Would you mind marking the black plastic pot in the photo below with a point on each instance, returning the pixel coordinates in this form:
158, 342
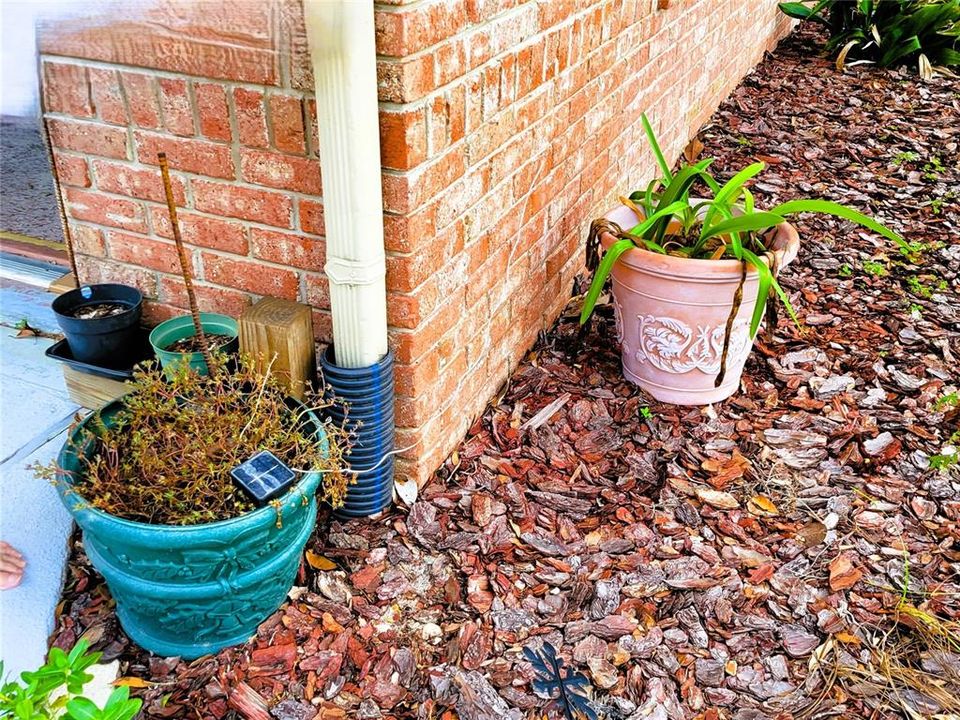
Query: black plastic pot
369, 391
108, 341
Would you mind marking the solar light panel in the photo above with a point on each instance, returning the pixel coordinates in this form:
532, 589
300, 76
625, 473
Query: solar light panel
263, 477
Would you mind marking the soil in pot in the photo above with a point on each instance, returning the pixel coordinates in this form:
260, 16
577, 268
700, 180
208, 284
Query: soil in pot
192, 344
95, 311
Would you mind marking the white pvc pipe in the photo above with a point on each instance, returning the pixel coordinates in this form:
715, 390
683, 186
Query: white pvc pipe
340, 34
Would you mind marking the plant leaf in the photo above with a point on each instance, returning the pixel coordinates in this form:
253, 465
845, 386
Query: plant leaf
600, 277
652, 139
741, 223
728, 193
81, 708
841, 211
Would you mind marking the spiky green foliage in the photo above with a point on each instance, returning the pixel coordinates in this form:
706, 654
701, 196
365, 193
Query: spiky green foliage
724, 226
888, 32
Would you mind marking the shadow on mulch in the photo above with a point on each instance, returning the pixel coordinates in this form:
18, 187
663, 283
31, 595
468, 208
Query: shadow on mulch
737, 561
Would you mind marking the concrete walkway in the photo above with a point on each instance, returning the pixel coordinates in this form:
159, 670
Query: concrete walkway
35, 411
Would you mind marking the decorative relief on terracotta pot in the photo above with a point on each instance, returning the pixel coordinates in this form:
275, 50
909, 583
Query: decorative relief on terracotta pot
618, 321
674, 347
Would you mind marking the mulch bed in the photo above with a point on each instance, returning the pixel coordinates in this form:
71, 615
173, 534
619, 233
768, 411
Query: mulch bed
770, 557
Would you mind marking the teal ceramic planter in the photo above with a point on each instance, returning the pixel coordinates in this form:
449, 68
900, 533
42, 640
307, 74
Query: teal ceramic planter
178, 328
193, 590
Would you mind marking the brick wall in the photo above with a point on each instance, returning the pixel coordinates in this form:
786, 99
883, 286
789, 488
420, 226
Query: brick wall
505, 127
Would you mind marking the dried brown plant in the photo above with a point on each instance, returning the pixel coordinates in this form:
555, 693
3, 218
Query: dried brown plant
166, 458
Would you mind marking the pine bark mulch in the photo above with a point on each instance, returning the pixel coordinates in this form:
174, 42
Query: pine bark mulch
790, 553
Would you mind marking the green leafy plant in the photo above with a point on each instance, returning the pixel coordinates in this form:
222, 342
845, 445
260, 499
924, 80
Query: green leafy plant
727, 225
875, 268
54, 690
887, 32
168, 455
932, 169
950, 400
905, 157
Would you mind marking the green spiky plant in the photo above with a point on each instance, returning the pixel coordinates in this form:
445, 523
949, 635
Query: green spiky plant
888, 32
728, 225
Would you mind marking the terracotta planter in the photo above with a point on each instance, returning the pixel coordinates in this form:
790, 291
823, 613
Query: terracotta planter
671, 315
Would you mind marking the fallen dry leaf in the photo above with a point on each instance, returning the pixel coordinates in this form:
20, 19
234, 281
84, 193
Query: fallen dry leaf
843, 574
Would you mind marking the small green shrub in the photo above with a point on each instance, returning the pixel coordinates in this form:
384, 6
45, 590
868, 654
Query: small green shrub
54, 690
888, 32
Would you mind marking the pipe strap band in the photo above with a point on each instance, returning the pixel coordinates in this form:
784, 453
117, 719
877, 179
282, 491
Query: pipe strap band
341, 271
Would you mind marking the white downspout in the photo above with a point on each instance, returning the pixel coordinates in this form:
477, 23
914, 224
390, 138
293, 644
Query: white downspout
340, 34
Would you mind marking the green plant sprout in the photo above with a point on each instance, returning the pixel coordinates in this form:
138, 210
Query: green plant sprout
55, 689
875, 268
907, 156
932, 169
846, 270
948, 400
936, 205
727, 225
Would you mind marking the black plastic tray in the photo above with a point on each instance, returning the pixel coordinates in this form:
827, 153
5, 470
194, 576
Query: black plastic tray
61, 351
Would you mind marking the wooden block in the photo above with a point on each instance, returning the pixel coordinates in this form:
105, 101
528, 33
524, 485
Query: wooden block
92, 391
63, 284
282, 330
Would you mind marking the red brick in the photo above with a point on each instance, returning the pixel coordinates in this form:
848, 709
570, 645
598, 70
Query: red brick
124, 179
314, 131
529, 68
405, 32
251, 276
72, 170
286, 249
107, 96
286, 121
403, 138
317, 289
187, 154
456, 113
175, 106
311, 217
142, 99
405, 80
251, 120
209, 298
155, 313
263, 206
87, 240
285, 172
101, 270
137, 250
410, 232
450, 61
322, 326
202, 231
66, 89
410, 346
88, 137
213, 38
102, 210
213, 111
